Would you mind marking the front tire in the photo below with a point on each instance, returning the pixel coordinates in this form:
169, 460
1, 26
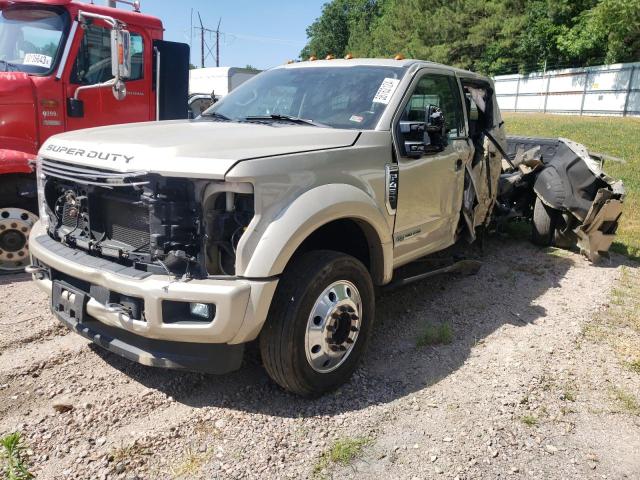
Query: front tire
319, 323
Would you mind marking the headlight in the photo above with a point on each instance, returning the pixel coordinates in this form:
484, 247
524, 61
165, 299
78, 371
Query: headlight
42, 210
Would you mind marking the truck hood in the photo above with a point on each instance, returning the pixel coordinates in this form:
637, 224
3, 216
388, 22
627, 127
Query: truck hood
17, 117
183, 148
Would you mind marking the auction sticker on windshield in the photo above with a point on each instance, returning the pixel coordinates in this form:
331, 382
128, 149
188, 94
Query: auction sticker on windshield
386, 90
37, 60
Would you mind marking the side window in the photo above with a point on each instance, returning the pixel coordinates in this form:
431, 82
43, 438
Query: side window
137, 57
441, 91
93, 62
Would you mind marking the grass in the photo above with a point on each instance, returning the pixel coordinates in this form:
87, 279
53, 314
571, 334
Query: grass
618, 137
128, 452
13, 466
569, 395
436, 335
627, 401
342, 452
619, 324
530, 420
191, 464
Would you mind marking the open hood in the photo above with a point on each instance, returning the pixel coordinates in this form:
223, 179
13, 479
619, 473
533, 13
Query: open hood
186, 148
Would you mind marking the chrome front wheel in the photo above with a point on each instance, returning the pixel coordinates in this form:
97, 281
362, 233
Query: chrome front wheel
333, 326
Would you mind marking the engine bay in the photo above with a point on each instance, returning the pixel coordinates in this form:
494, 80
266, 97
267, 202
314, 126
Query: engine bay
181, 227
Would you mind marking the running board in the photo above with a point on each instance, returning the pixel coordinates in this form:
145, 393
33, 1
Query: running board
465, 267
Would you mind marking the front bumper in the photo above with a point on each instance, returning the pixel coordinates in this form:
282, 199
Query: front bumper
241, 305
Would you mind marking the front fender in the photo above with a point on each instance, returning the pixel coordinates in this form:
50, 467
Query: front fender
313, 209
15, 161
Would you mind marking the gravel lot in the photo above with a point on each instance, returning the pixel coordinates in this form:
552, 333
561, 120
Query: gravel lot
523, 391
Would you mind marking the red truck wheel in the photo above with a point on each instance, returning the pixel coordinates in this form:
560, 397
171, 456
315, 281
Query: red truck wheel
15, 226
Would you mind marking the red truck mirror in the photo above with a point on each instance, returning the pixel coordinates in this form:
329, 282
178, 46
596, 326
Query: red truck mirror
120, 53
120, 61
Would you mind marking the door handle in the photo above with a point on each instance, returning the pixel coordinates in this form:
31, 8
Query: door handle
458, 164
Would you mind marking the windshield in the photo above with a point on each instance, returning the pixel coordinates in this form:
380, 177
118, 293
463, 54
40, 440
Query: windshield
339, 97
30, 39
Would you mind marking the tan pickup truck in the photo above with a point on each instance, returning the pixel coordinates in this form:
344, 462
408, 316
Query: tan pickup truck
275, 214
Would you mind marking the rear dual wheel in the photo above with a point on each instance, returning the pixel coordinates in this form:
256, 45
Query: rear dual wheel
319, 323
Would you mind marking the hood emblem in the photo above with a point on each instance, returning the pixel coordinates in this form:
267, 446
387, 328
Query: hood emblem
90, 154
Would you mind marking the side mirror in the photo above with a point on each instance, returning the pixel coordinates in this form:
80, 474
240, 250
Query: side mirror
423, 138
75, 107
120, 61
435, 137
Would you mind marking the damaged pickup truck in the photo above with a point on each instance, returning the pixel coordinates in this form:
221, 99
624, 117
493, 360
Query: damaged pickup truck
275, 214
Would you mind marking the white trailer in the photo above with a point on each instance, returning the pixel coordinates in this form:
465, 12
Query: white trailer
207, 85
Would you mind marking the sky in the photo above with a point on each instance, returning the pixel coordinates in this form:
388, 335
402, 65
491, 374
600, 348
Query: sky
259, 33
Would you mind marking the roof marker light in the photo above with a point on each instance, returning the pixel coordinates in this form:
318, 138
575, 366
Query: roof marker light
348, 56
330, 57
399, 57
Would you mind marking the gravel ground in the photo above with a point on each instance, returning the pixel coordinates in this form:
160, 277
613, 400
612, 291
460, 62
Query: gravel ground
520, 392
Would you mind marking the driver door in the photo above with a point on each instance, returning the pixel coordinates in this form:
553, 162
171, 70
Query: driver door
430, 187
92, 66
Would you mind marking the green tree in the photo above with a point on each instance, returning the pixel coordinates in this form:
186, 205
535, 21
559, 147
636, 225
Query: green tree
607, 33
330, 33
489, 36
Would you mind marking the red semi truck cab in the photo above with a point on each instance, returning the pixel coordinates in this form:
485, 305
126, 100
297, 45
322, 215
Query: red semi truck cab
57, 74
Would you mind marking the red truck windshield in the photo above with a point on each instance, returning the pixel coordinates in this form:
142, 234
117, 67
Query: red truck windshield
30, 39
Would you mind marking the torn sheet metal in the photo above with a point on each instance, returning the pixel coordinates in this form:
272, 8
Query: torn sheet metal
598, 230
585, 201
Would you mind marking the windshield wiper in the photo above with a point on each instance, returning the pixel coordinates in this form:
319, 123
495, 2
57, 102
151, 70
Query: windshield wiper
288, 118
217, 115
14, 68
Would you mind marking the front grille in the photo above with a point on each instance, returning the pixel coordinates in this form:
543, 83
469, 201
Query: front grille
98, 207
132, 218
91, 175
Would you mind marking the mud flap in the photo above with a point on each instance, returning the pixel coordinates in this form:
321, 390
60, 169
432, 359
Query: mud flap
597, 232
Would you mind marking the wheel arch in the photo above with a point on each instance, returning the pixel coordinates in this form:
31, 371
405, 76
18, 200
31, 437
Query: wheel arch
313, 220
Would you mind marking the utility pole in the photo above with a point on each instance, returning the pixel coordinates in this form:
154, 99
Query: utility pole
218, 43
201, 41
